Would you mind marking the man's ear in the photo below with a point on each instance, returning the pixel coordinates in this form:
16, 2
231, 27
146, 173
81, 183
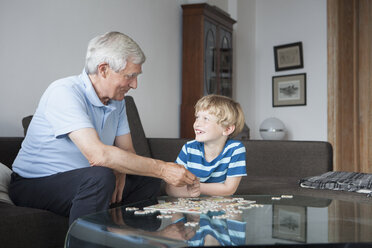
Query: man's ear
229, 130
103, 69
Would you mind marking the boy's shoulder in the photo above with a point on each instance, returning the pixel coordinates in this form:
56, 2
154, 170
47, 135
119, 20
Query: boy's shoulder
234, 146
229, 143
234, 142
193, 143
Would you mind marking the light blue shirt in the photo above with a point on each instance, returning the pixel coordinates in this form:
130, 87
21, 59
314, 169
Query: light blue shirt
69, 104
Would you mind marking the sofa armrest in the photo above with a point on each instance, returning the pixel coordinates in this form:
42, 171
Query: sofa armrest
166, 149
9, 147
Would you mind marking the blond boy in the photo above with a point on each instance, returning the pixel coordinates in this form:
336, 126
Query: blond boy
214, 157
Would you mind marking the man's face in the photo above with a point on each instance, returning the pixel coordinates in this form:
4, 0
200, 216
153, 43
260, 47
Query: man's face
119, 83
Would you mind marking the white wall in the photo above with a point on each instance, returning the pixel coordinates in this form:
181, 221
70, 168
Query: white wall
266, 23
43, 40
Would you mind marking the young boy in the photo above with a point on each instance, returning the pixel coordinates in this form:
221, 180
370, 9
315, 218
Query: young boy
216, 159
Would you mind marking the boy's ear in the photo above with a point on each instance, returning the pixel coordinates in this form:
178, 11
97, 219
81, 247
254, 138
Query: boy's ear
229, 130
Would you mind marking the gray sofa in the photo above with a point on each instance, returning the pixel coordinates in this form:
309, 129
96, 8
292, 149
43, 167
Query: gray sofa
273, 167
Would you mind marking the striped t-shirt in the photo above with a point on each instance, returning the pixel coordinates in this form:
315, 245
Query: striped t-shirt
229, 163
226, 232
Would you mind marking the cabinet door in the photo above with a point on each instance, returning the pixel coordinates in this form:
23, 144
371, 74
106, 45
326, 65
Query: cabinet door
225, 64
210, 60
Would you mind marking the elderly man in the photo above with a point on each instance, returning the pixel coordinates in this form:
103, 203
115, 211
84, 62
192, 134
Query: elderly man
78, 156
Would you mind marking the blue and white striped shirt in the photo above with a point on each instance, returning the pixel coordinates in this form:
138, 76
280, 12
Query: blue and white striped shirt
226, 232
229, 163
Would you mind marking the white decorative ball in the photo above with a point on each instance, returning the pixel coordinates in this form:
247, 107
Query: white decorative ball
272, 129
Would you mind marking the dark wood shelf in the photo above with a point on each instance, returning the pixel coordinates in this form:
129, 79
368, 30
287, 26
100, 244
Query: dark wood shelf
206, 58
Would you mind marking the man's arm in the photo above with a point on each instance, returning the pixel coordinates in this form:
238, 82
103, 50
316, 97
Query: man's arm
99, 154
123, 142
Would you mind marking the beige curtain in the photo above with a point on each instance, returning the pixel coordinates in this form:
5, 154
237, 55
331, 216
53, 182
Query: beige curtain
350, 83
340, 229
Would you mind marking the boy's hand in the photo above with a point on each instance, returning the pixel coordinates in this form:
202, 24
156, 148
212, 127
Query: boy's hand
194, 189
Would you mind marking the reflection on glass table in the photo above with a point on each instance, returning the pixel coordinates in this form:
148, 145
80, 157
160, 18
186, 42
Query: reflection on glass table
270, 221
215, 232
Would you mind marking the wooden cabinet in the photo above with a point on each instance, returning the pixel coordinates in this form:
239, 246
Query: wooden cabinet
206, 58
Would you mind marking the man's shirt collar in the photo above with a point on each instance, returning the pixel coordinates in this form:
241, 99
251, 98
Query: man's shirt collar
90, 91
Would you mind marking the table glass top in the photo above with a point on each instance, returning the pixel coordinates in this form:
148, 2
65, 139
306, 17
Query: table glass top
249, 220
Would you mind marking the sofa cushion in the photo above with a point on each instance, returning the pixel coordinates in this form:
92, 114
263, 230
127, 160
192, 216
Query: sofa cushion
25, 123
284, 158
140, 143
31, 227
9, 147
5, 173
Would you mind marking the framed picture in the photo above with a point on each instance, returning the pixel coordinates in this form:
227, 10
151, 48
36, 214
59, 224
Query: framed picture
289, 90
289, 223
288, 56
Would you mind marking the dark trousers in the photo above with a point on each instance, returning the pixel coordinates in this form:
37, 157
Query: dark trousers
79, 192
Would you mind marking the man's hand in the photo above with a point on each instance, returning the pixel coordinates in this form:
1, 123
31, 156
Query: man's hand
176, 174
194, 189
117, 216
177, 231
119, 187
173, 231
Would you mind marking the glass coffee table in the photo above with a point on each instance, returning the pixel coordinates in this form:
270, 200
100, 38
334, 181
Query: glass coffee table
251, 220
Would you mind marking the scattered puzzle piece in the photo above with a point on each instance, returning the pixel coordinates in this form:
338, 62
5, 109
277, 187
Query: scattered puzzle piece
140, 212
192, 224
131, 209
287, 196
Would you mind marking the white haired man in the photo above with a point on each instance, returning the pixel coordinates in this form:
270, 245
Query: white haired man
78, 149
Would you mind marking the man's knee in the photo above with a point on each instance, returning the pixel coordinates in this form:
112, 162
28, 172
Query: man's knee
94, 193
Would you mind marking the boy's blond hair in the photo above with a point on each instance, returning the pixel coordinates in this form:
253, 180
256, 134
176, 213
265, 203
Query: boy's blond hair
227, 111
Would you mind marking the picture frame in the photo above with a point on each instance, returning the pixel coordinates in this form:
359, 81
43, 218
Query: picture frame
288, 56
289, 223
289, 90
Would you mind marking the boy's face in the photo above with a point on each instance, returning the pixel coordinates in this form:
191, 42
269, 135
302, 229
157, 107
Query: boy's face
207, 129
